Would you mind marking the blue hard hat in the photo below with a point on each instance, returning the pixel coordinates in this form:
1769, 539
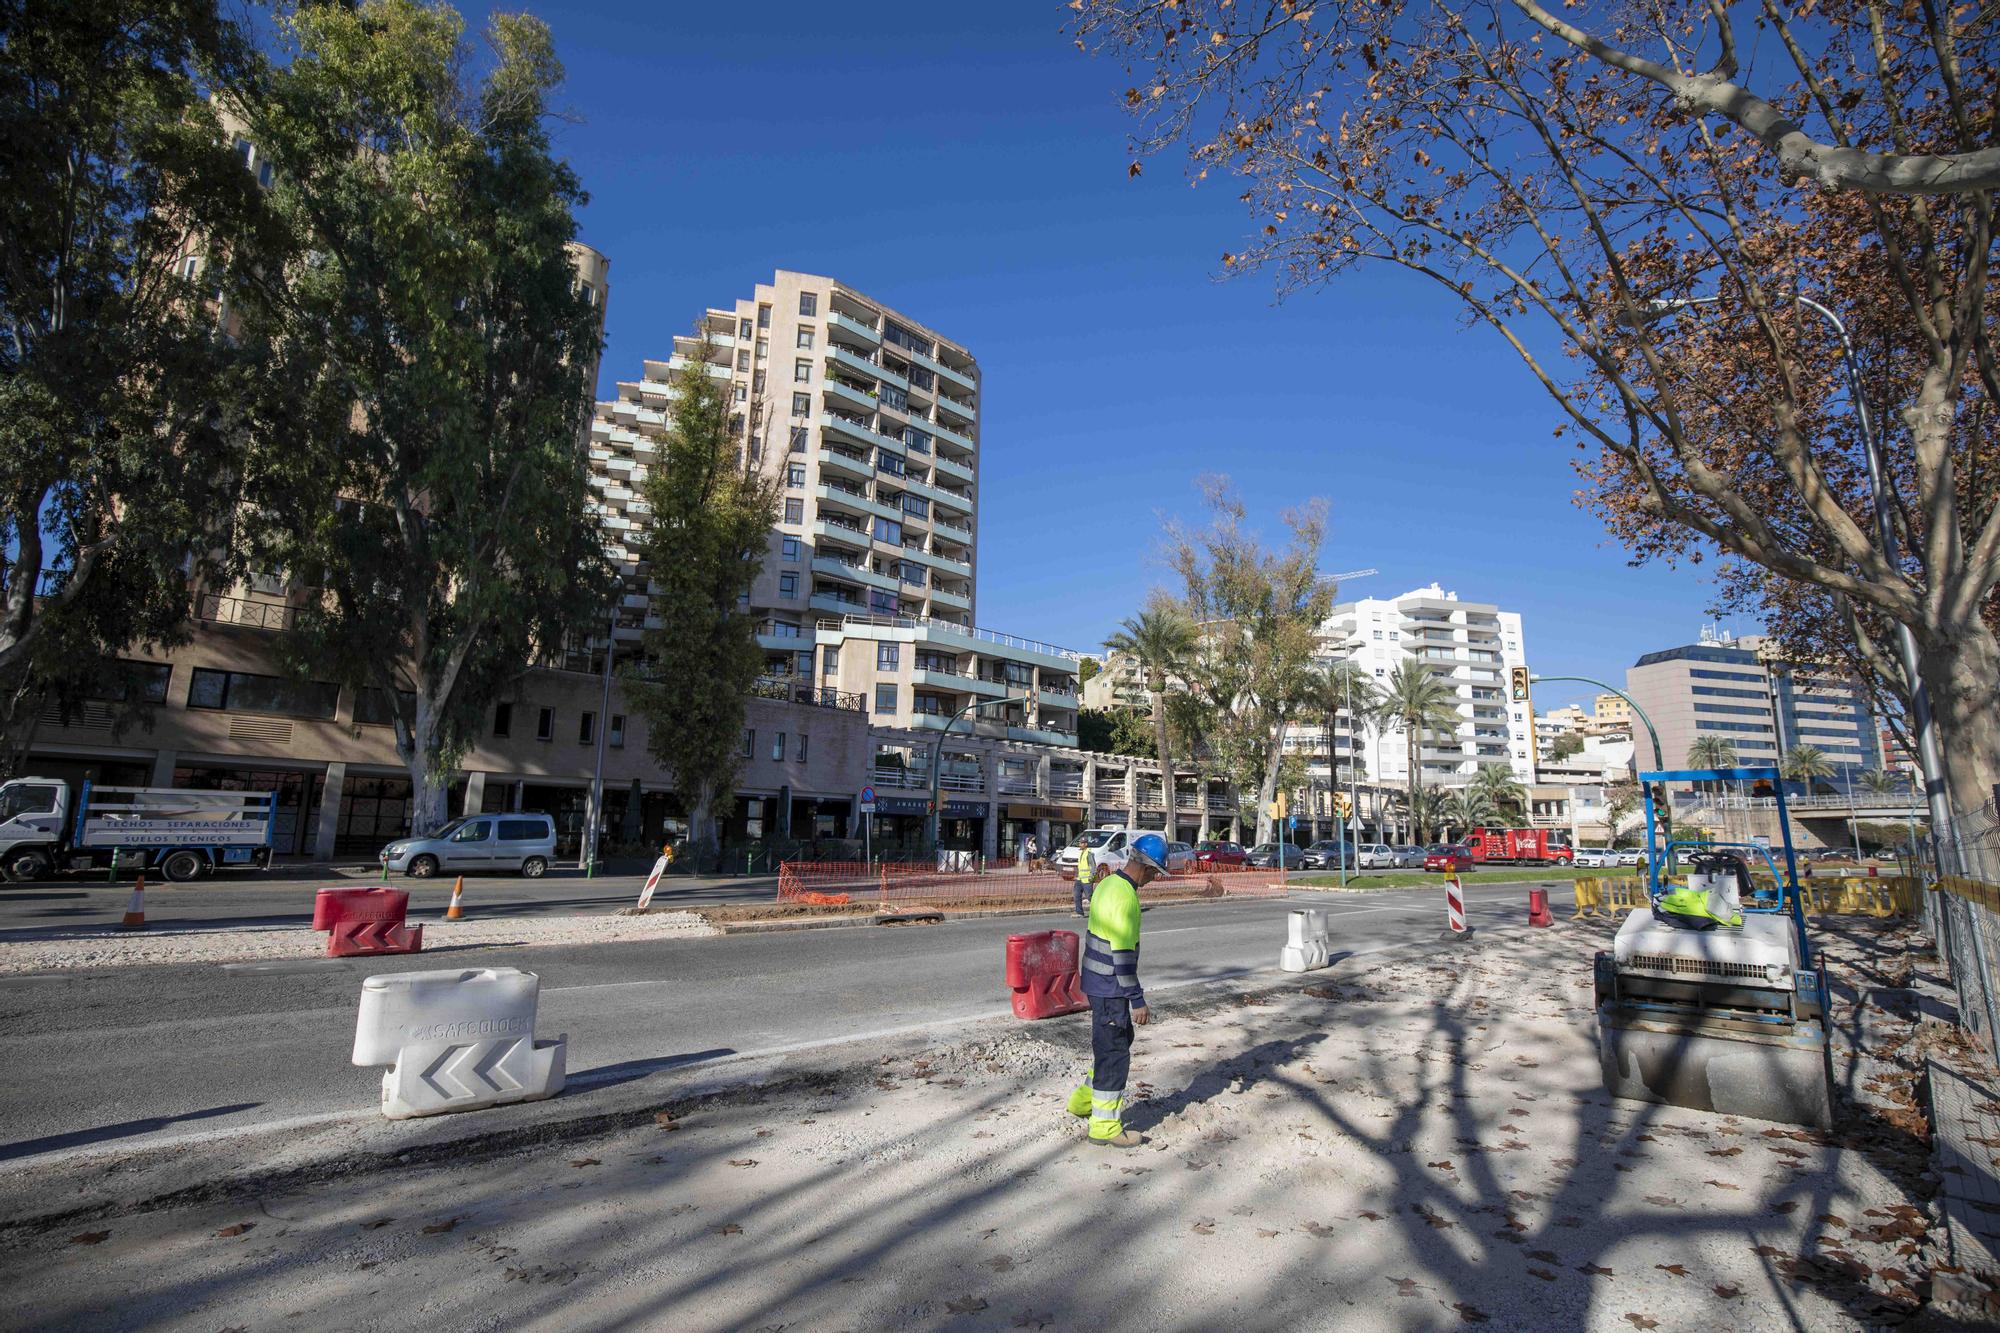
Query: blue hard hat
1150, 848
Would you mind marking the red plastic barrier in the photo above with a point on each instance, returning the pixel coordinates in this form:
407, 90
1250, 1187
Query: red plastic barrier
333, 906
359, 939
1538, 908
1041, 971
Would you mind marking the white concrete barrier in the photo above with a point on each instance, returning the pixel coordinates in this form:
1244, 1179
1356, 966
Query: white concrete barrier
1305, 941
456, 1040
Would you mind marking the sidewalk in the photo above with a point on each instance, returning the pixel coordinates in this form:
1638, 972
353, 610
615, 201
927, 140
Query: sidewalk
1415, 1140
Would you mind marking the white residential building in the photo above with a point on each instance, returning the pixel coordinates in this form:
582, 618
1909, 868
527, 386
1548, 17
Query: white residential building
1469, 646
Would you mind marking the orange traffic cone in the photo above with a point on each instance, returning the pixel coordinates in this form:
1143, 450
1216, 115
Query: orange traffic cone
135, 911
455, 912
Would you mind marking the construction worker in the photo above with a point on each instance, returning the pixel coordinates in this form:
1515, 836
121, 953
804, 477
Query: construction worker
1083, 869
1111, 981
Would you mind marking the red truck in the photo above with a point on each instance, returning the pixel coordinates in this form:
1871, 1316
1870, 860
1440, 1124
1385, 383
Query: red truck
1531, 846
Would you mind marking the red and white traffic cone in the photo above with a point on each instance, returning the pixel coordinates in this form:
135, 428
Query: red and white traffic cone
1454, 903
455, 912
135, 911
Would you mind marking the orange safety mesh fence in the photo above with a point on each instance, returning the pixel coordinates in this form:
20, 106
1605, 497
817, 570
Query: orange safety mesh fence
907, 886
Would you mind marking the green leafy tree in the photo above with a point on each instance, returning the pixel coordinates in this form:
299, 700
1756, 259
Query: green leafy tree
1880, 782
1114, 731
1258, 612
1159, 640
712, 519
1466, 809
1425, 810
1087, 669
1505, 797
139, 362
1565, 746
1621, 798
1807, 764
441, 510
1415, 702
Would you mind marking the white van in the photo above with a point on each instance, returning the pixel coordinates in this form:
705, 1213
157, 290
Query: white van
523, 843
1113, 839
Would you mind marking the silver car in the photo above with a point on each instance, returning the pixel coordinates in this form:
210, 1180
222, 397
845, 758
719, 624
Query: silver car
1408, 857
478, 844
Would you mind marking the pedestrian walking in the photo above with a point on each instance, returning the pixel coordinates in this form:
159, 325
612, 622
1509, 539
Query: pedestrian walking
1083, 869
1030, 851
1111, 982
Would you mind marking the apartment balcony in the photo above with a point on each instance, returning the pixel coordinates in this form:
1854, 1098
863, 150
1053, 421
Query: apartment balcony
959, 683
942, 563
1017, 784
859, 431
1055, 698
1066, 784
857, 573
939, 495
852, 465
865, 366
964, 411
1041, 736
958, 471
945, 374
715, 372
841, 534
836, 605
951, 599
776, 636
854, 330
943, 432
952, 525
846, 395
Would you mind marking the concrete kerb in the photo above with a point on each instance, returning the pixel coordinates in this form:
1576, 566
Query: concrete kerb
906, 918
104, 1181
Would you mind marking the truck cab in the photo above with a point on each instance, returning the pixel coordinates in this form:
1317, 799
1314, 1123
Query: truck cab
33, 813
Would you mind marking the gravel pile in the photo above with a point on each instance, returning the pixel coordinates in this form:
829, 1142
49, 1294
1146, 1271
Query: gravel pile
111, 947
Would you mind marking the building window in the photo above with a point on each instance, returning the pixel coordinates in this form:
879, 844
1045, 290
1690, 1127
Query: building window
805, 339
763, 317
586, 729
802, 404
802, 371
763, 349
503, 719
242, 692
757, 382
743, 328
916, 441
133, 680
883, 603
804, 744
742, 396
799, 439
545, 725
743, 358
916, 504
889, 530
749, 742
890, 463
788, 586
808, 303
372, 708
888, 656
778, 746
790, 549
895, 397
795, 510
617, 736
885, 699
795, 475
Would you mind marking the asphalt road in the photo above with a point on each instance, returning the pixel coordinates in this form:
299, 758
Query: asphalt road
138, 1056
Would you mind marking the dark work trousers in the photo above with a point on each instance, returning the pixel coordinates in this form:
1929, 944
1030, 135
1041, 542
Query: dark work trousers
1080, 890
1110, 1043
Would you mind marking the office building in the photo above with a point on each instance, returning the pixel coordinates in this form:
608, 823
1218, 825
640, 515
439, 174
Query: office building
1741, 690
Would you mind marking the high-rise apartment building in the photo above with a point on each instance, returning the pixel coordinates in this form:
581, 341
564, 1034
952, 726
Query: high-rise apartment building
1469, 646
1740, 690
870, 420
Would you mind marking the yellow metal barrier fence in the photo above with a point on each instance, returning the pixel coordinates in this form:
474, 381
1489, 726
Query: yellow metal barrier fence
1885, 896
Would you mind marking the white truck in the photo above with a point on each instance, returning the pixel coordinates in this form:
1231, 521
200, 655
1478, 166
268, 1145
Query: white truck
47, 827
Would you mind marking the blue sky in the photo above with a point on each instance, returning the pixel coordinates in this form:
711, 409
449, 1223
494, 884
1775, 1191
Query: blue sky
966, 164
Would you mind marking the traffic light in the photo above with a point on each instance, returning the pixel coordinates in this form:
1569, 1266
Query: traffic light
1343, 804
1519, 676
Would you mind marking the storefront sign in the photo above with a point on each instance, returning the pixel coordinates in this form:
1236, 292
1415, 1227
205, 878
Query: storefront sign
1060, 814
902, 805
965, 809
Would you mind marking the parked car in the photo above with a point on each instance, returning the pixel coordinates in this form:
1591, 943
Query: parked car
1448, 856
1375, 856
1630, 856
1409, 857
1265, 855
1326, 855
1596, 858
1110, 838
1214, 853
524, 843
1180, 857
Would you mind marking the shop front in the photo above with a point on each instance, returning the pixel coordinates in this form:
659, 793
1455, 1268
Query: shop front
900, 822
1053, 825
962, 826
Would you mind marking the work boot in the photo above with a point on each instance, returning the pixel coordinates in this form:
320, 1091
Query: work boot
1124, 1138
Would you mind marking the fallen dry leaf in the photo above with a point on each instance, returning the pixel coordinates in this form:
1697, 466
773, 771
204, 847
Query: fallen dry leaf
377, 1224
1546, 1256
1595, 1271
1662, 1201
1722, 1184
586, 1161
1205, 1227
729, 1229
1676, 1269
1788, 1206
1724, 1152
743, 1161
1265, 1235
1640, 1321
1470, 1314
1371, 1216
965, 1305
89, 1237
1728, 1292
1320, 1230
1405, 1286
665, 1120
1542, 1273
439, 1228
236, 1228
1442, 1166
999, 1263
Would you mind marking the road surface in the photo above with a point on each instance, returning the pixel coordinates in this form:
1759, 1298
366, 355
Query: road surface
135, 1056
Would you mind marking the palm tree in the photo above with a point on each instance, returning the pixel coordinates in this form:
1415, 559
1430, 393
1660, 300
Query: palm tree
1330, 692
1712, 752
1158, 640
1469, 808
1879, 781
1417, 701
1502, 790
1426, 811
1807, 764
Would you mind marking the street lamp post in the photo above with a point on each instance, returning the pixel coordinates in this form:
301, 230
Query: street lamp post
1937, 795
938, 745
596, 802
